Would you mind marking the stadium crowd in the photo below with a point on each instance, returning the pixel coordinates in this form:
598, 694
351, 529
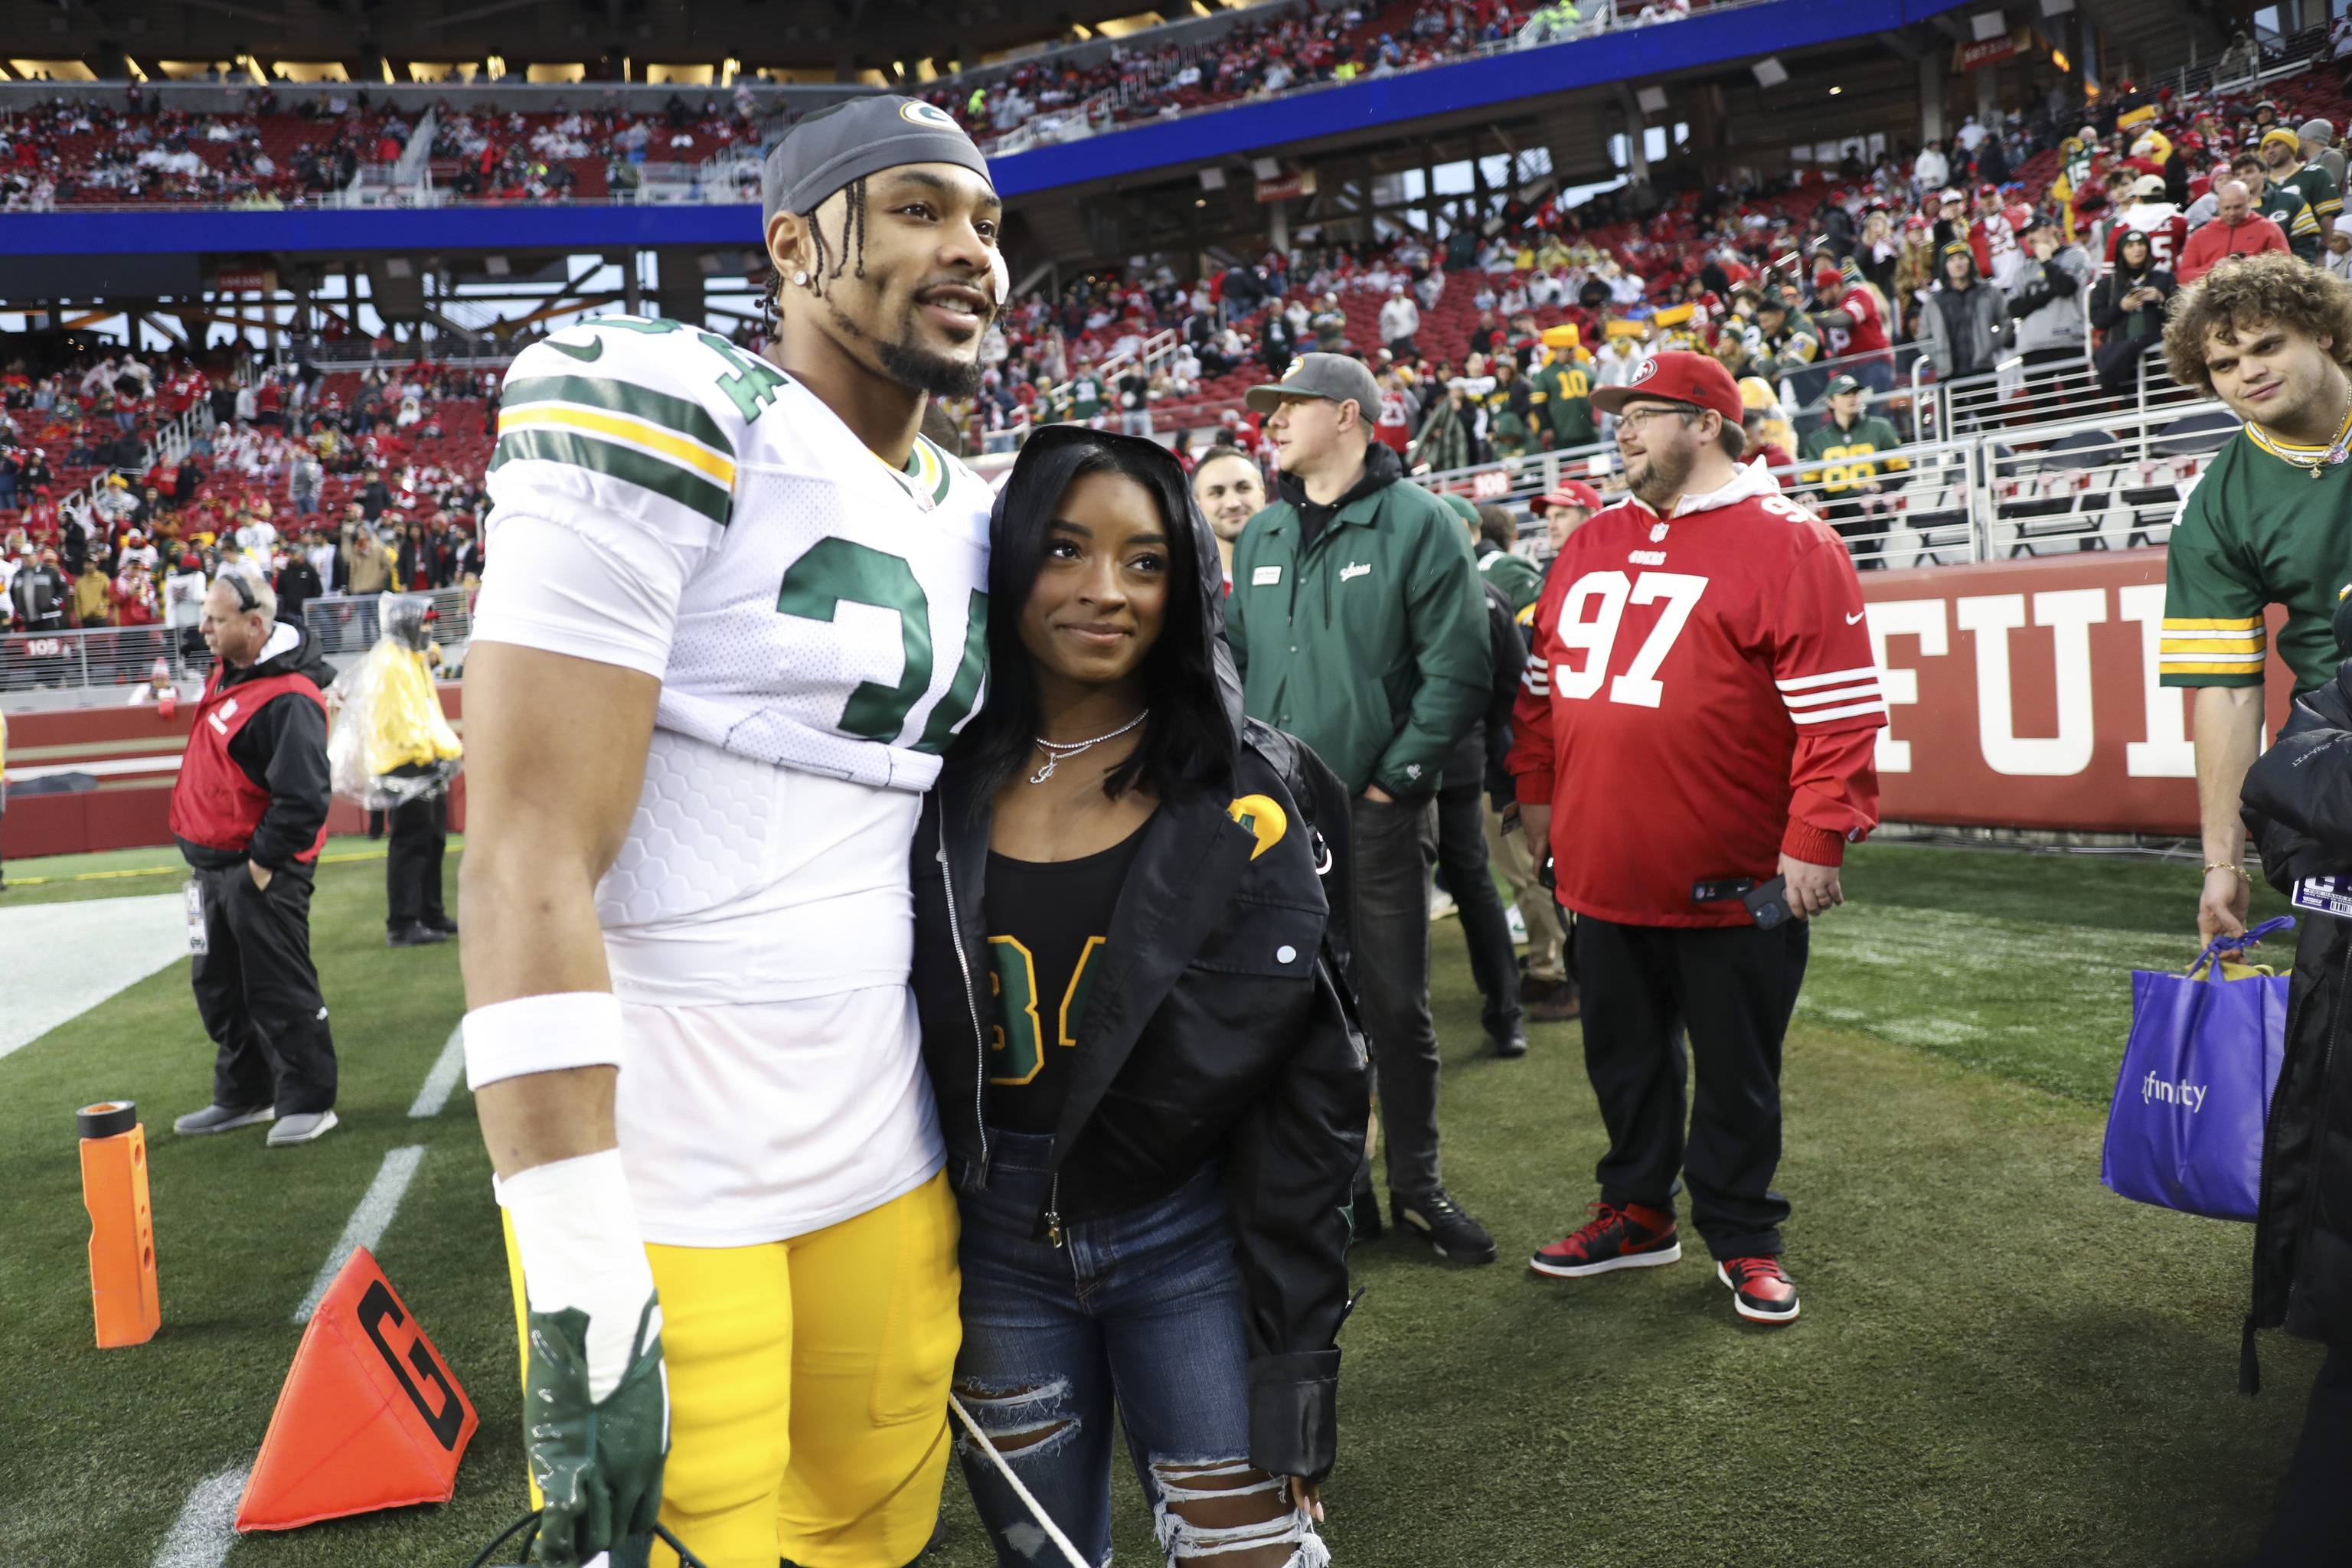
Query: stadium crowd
285, 148
361, 482
1418, 729
2012, 241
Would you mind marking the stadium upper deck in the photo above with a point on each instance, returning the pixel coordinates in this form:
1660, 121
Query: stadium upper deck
294, 182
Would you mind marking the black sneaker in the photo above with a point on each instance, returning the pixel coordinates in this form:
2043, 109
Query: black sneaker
1363, 1217
1439, 1222
441, 923
413, 936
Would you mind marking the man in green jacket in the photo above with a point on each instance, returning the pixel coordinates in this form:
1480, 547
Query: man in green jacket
1358, 626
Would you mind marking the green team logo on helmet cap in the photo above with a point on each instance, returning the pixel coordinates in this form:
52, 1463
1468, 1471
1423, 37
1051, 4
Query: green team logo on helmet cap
923, 113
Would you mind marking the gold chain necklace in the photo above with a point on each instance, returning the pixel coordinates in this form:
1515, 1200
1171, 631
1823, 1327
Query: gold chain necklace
2337, 450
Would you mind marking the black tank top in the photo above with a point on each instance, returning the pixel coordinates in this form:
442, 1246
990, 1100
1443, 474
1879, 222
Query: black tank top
1048, 923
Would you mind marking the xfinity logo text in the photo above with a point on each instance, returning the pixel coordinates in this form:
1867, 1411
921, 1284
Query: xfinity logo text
2191, 1095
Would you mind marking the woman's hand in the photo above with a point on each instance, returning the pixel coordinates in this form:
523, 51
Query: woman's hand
1306, 1494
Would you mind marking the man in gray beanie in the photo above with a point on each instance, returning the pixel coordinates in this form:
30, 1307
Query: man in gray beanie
2316, 138
731, 622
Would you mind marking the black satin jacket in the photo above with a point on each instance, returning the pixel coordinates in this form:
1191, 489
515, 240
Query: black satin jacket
1222, 1026
2298, 807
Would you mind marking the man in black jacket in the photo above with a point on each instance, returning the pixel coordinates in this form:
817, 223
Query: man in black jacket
2294, 796
249, 810
298, 584
43, 598
1462, 828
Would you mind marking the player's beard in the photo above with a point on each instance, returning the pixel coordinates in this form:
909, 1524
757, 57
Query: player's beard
927, 372
1663, 477
910, 364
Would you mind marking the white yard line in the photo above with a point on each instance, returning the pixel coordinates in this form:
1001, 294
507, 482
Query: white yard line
443, 1078
207, 1527
75, 956
366, 1227
201, 1537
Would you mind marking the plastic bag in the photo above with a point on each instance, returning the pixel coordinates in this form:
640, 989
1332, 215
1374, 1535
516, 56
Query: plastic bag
388, 742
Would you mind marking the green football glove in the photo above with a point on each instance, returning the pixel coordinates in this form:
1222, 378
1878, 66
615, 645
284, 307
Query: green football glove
597, 1463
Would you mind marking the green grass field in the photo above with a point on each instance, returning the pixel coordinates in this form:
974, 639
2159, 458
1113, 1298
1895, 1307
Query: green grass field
1999, 1362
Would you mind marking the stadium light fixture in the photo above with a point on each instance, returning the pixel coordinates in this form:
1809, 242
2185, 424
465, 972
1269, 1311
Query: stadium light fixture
1213, 178
1265, 169
1652, 99
1988, 26
1835, 90
1769, 71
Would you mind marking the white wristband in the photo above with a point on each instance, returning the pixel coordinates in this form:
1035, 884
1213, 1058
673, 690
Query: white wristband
542, 1033
577, 1231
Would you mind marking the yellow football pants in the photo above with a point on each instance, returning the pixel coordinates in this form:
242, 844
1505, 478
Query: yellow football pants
808, 1388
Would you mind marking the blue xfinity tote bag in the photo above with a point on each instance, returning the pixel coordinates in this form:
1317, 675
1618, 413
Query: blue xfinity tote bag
2186, 1128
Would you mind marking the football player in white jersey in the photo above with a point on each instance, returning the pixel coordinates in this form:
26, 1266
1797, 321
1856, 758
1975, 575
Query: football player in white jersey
734, 615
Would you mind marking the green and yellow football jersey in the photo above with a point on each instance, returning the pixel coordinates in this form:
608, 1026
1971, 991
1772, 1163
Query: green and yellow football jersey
2265, 523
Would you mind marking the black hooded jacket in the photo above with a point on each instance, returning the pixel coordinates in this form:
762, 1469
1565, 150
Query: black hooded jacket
282, 748
2298, 805
1223, 1027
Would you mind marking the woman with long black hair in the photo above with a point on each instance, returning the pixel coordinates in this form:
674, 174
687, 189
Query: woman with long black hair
1132, 967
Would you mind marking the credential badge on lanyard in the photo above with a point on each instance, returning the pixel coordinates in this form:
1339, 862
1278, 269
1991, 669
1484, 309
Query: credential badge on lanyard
2326, 895
194, 892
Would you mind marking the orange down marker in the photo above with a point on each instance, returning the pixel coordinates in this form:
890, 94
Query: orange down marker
121, 1226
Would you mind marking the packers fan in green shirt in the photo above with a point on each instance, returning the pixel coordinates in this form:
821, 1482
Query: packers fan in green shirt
2262, 524
2283, 206
1844, 465
2282, 155
1086, 396
1559, 390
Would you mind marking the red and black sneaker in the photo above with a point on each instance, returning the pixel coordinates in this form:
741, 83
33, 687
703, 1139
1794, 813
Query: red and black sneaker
1633, 1237
1760, 1291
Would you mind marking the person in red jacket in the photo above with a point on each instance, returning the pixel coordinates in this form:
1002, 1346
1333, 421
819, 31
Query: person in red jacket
2235, 230
249, 813
1697, 720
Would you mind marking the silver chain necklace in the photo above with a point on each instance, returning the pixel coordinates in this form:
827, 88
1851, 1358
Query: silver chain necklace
1057, 752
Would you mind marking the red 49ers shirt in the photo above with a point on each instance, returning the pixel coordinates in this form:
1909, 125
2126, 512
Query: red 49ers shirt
1699, 698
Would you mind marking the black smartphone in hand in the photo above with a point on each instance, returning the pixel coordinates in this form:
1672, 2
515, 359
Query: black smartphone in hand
1768, 902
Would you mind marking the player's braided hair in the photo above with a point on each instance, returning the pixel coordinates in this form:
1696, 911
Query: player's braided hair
2247, 292
853, 235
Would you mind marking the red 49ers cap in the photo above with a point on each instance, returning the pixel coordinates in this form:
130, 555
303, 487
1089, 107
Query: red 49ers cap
1568, 492
1677, 375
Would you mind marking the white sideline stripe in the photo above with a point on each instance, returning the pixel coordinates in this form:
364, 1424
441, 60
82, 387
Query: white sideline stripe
366, 1227
447, 1071
201, 1537
80, 954
206, 1527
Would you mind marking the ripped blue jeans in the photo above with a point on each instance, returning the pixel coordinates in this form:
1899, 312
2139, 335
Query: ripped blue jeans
1141, 1308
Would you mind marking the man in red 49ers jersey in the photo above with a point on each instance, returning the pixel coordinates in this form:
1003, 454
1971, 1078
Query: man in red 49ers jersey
1696, 720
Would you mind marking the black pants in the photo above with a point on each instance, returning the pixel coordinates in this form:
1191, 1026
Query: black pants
1394, 845
1730, 989
2312, 1525
259, 994
411, 863
1462, 857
